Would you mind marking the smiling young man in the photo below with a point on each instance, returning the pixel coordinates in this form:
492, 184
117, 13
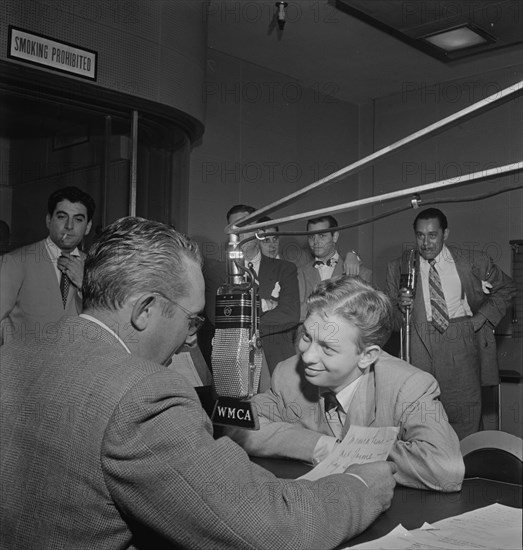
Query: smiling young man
41, 282
340, 377
461, 295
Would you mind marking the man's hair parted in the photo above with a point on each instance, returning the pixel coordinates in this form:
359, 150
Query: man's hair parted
355, 300
134, 255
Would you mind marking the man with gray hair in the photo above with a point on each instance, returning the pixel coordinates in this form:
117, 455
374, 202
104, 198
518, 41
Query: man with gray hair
341, 376
104, 448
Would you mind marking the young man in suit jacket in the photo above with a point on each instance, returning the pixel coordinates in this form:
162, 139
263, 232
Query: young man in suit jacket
111, 450
326, 262
41, 282
340, 357
462, 355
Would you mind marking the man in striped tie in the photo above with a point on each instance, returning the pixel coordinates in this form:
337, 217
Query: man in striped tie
41, 282
461, 295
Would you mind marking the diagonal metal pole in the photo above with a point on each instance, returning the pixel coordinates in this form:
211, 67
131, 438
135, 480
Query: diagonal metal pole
464, 114
492, 173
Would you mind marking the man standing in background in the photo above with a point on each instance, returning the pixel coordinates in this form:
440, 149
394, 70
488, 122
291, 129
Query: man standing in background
461, 295
326, 262
41, 282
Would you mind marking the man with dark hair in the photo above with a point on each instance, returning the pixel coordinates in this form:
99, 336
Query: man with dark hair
278, 290
341, 376
461, 295
115, 450
41, 282
326, 262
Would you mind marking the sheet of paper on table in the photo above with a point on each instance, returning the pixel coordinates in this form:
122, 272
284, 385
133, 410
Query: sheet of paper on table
494, 526
360, 444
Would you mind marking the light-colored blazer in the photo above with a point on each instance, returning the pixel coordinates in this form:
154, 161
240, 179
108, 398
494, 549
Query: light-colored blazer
309, 277
108, 451
473, 267
391, 393
30, 298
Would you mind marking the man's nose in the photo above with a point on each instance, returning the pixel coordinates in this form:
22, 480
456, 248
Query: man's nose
310, 355
69, 223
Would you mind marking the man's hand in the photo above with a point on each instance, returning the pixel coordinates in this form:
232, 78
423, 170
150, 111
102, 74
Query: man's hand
405, 300
379, 480
351, 265
73, 267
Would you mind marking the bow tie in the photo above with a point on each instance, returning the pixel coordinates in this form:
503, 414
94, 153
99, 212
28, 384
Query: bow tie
330, 263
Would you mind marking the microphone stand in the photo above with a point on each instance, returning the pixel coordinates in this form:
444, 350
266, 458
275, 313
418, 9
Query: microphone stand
407, 291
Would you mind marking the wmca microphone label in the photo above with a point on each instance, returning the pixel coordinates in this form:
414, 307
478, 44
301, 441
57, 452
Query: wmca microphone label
235, 412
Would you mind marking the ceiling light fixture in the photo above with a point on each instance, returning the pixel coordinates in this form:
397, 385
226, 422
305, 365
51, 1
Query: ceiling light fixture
459, 38
280, 14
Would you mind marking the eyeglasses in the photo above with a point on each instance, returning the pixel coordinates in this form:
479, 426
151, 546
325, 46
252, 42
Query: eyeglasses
195, 321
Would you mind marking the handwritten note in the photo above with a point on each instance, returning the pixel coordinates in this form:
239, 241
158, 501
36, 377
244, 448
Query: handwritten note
360, 445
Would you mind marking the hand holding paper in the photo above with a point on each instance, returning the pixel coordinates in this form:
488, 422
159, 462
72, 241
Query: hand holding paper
359, 446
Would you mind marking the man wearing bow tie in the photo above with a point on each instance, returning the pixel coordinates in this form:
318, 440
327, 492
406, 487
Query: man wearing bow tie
326, 262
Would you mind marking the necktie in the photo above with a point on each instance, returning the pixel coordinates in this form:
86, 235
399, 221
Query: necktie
440, 313
332, 407
330, 401
65, 283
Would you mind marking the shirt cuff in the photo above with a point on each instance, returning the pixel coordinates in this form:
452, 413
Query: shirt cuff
358, 477
324, 447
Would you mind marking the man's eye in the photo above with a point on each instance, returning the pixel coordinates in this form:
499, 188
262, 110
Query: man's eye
305, 337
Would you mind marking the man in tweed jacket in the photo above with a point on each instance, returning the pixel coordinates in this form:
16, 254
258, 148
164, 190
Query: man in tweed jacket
102, 447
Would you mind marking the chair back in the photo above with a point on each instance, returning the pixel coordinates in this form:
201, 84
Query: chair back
495, 455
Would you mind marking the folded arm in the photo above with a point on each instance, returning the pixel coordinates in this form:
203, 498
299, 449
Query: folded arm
427, 452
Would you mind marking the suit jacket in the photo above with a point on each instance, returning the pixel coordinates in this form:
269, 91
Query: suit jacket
30, 298
277, 325
309, 277
473, 267
391, 393
109, 451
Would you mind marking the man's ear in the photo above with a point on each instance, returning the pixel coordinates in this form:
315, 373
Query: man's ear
368, 356
88, 227
142, 312
446, 234
47, 220
335, 236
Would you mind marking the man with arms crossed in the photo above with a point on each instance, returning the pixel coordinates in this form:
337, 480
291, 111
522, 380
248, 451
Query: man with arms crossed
111, 450
342, 377
461, 295
41, 282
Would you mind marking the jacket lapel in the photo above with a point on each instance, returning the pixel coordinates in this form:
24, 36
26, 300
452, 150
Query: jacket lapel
362, 409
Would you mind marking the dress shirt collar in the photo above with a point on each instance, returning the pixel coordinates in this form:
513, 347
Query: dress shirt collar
345, 396
255, 262
105, 327
443, 256
55, 252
